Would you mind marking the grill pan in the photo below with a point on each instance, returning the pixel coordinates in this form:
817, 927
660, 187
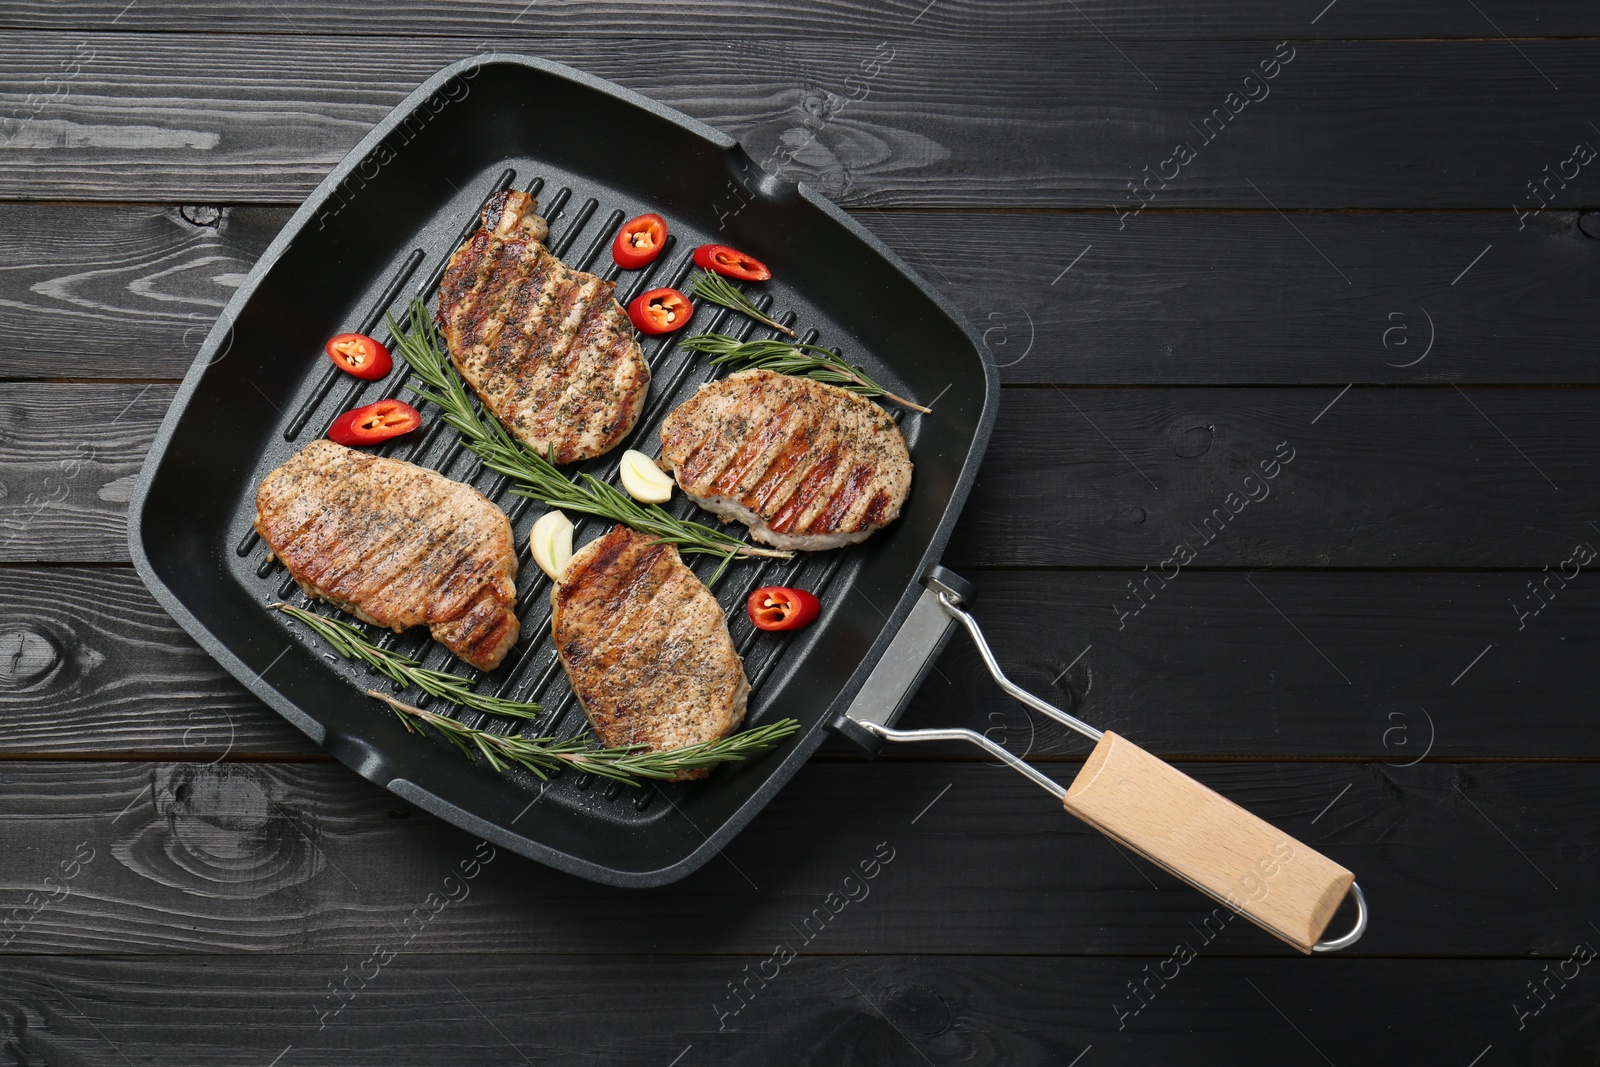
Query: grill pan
376, 232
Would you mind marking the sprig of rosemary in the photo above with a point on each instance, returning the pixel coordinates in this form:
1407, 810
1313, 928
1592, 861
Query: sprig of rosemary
544, 755
786, 357
351, 643
541, 755
719, 290
537, 476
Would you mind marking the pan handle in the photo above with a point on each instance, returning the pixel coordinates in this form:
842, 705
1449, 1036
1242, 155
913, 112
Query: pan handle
1282, 885
1286, 888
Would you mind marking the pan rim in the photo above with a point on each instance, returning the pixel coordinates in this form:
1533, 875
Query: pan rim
786, 761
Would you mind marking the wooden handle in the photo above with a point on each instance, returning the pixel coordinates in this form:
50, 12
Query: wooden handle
1283, 886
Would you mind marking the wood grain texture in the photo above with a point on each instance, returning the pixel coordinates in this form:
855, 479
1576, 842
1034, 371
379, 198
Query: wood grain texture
131, 295
218, 908
91, 665
886, 1011
89, 662
829, 19
188, 117
69, 455
1210, 667
1211, 298
1456, 860
1423, 477
1282, 885
1206, 298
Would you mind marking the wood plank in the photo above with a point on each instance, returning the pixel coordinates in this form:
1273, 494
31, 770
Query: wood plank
93, 667
1456, 860
1088, 478
132, 295
1181, 298
70, 454
1209, 667
828, 19
1210, 298
187, 117
90, 663
883, 1010
1419, 477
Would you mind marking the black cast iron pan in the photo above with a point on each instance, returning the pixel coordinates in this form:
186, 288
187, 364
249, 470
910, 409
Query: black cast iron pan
376, 232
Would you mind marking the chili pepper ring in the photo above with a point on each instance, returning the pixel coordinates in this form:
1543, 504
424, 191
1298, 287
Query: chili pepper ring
360, 355
639, 241
660, 311
374, 423
731, 263
778, 607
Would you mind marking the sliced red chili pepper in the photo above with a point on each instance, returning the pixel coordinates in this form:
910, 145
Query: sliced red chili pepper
358, 354
639, 241
777, 607
660, 311
374, 423
732, 263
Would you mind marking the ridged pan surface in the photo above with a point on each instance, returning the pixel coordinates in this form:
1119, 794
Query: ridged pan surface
377, 233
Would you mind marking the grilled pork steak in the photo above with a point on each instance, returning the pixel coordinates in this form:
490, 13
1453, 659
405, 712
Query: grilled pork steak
646, 645
395, 545
547, 348
805, 465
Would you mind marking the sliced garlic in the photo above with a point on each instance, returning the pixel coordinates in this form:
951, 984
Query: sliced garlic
551, 543
643, 480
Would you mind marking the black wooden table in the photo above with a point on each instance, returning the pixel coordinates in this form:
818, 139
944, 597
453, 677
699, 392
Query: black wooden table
1346, 241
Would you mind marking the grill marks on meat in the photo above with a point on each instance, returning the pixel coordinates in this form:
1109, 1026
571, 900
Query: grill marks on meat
396, 545
646, 646
804, 464
548, 348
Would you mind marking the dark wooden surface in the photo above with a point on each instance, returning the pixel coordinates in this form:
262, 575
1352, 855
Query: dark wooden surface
185, 879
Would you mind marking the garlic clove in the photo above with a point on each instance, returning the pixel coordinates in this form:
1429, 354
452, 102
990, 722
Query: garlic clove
551, 543
643, 480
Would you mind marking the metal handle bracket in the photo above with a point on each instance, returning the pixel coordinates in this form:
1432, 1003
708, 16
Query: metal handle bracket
952, 607
905, 663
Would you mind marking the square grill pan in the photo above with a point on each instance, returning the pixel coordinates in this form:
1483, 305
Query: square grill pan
377, 232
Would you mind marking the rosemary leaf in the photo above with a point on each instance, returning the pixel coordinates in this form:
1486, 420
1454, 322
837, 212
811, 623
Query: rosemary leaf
630, 764
719, 290
801, 360
537, 476
351, 643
